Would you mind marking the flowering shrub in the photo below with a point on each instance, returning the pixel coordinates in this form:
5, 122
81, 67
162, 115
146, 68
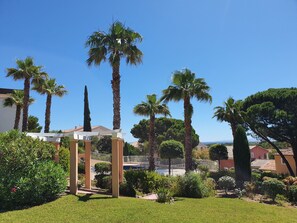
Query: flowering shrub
28, 176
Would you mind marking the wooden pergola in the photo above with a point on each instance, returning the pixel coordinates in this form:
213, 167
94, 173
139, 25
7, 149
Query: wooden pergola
117, 155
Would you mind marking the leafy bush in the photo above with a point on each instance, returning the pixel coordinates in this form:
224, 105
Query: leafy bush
250, 189
142, 180
28, 176
226, 183
272, 187
103, 177
127, 190
164, 195
64, 159
292, 193
280, 200
45, 181
191, 185
81, 168
290, 180
103, 168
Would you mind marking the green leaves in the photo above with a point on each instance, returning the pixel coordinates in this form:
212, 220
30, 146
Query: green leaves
119, 42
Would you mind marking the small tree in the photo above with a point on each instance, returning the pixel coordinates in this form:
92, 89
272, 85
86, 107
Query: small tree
242, 157
171, 149
218, 152
87, 118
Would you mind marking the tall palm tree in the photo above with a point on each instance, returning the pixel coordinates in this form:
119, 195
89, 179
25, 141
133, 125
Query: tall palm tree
186, 86
151, 108
27, 71
119, 42
17, 99
50, 88
229, 112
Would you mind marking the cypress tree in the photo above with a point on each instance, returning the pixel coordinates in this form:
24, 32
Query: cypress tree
242, 157
87, 118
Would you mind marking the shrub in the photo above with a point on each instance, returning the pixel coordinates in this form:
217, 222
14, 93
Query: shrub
292, 193
103, 168
142, 180
250, 189
64, 159
191, 185
290, 180
272, 187
81, 168
45, 182
226, 183
28, 176
163, 195
103, 178
127, 190
280, 200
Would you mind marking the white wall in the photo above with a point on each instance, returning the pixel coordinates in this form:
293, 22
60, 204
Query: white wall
7, 116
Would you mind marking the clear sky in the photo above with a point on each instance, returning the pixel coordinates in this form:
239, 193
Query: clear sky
240, 47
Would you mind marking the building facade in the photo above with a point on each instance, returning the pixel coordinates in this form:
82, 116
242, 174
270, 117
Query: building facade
7, 114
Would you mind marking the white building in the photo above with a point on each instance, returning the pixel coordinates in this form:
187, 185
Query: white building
7, 114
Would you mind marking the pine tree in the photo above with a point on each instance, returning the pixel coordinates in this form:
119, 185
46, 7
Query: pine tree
87, 118
242, 157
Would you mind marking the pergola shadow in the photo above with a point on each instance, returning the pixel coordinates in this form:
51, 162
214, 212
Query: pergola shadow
88, 197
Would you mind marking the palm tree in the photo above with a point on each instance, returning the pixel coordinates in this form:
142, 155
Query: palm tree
50, 88
186, 86
151, 108
230, 113
27, 71
17, 99
119, 42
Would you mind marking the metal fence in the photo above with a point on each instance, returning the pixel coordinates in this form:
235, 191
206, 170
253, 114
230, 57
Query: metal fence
163, 163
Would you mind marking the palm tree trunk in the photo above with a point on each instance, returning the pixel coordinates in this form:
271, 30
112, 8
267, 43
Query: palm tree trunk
17, 117
152, 143
48, 113
26, 104
188, 131
115, 83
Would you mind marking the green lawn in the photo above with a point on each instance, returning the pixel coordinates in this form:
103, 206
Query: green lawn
98, 208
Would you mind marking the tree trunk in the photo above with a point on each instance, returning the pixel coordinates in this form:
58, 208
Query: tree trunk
115, 83
294, 148
152, 143
26, 104
258, 133
169, 170
188, 132
48, 113
17, 117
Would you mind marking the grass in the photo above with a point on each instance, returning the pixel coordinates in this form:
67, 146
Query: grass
101, 208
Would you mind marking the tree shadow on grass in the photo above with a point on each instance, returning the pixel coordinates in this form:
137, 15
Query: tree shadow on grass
88, 197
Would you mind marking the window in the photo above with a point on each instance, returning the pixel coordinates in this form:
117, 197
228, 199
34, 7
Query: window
282, 161
252, 155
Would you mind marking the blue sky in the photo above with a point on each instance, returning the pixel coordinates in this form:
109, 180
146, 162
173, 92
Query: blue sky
239, 47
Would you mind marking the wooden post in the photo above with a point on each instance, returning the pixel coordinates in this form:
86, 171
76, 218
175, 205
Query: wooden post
73, 166
57, 145
121, 161
87, 164
115, 166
